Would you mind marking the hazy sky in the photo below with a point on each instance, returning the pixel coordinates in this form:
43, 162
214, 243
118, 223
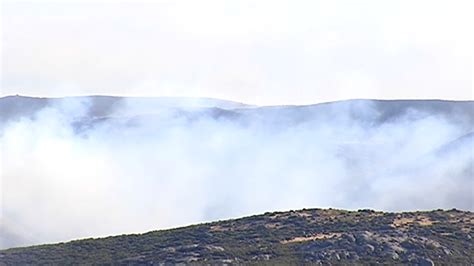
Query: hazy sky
258, 52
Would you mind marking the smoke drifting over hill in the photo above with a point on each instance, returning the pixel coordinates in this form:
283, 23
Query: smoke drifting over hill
95, 166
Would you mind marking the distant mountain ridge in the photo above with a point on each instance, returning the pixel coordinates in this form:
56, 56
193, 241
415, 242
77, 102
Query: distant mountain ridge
13, 107
99, 106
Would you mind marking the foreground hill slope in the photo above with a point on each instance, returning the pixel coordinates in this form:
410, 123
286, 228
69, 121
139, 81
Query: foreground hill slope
308, 235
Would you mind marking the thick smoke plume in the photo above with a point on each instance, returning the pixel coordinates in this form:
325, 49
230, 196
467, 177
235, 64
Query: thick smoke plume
96, 166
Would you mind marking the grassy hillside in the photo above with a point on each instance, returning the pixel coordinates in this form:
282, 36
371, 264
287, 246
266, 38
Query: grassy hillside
308, 235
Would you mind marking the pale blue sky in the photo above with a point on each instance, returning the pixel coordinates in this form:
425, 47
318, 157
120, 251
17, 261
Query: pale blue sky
258, 52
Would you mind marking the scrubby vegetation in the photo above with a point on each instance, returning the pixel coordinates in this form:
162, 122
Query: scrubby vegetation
308, 235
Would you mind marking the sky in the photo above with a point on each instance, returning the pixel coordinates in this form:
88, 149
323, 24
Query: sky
257, 52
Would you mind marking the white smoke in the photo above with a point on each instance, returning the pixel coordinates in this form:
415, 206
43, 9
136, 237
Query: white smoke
67, 175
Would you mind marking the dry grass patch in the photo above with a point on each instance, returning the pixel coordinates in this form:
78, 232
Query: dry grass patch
321, 236
419, 220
